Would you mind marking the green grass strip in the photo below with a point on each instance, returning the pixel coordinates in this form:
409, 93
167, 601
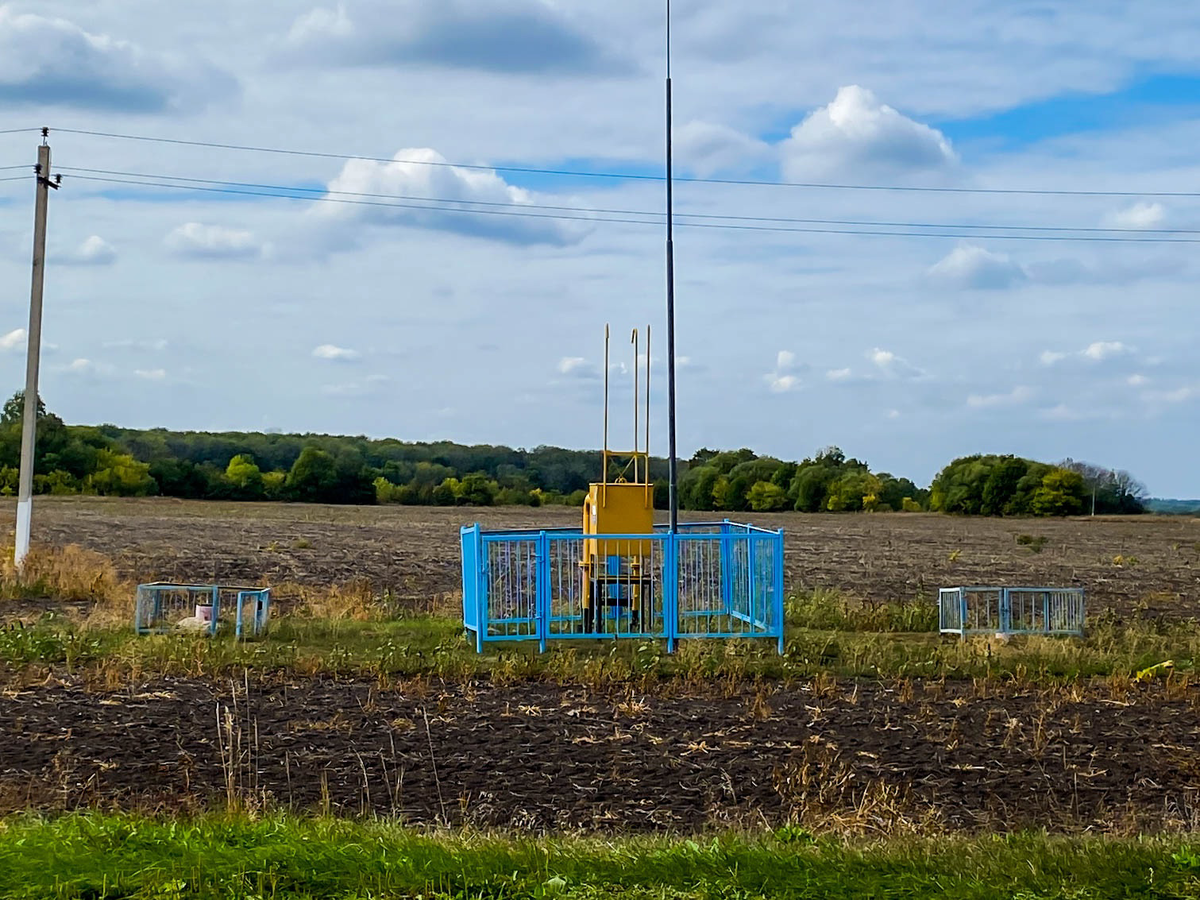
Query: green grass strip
98, 856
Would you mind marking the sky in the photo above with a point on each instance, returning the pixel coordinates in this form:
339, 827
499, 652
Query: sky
440, 269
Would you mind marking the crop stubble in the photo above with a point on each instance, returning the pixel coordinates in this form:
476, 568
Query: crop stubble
1124, 563
874, 757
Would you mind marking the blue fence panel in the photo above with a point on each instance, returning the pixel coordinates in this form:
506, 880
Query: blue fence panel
163, 607
1011, 610
709, 580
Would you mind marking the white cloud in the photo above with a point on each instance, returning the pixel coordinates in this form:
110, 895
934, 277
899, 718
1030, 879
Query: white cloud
577, 367
333, 352
891, 365
1097, 351
893, 413
838, 374
497, 36
1179, 395
53, 62
707, 148
151, 374
1016, 396
971, 266
86, 367
1137, 380
780, 381
858, 135
95, 251
1139, 215
321, 24
14, 340
1101, 350
198, 241
487, 205
780, 384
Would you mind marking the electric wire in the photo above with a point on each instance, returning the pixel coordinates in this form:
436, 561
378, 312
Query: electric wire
629, 176
631, 221
28, 166
19, 130
625, 212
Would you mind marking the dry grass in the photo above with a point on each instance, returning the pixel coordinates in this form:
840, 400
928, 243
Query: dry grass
66, 573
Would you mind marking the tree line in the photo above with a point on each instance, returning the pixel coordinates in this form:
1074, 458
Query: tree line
251, 466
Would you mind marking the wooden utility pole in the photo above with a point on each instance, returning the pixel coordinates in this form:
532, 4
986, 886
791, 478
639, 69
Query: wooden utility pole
33, 351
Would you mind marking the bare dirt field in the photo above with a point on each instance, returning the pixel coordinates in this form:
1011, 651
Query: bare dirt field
1151, 563
879, 757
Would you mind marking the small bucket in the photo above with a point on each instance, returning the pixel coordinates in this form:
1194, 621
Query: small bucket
204, 613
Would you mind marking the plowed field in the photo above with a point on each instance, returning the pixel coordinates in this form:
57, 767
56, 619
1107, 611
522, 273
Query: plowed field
1124, 563
879, 757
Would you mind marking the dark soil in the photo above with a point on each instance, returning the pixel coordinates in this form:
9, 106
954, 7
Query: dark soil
541, 757
1147, 563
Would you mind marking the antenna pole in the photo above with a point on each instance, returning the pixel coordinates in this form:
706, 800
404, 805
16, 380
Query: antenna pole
604, 474
671, 467
649, 489
636, 467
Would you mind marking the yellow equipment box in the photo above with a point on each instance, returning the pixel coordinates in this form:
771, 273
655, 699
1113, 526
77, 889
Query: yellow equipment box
618, 508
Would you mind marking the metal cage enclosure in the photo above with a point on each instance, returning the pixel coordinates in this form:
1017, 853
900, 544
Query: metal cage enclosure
709, 580
162, 607
1011, 610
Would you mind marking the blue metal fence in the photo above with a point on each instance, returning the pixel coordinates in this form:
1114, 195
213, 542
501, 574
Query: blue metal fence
1011, 610
707, 580
162, 607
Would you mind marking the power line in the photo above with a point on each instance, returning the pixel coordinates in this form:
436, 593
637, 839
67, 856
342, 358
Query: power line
28, 166
18, 130
626, 176
15, 178
629, 221
628, 212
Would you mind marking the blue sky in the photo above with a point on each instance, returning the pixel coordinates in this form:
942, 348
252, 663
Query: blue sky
214, 311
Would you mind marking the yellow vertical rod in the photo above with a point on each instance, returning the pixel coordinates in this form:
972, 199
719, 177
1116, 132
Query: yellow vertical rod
604, 474
648, 494
634, 340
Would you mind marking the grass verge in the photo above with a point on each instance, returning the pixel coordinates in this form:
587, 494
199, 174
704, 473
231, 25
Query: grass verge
109, 856
352, 630
435, 647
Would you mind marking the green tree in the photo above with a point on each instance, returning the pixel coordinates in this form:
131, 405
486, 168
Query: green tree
244, 478
1001, 486
854, 490
476, 489
313, 477
765, 496
14, 409
1061, 494
120, 475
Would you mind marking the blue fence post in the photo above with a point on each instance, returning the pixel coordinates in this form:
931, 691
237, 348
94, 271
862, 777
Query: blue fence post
481, 588
962, 611
778, 605
751, 593
727, 566
1005, 611
1046, 611
542, 589
671, 590
216, 608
